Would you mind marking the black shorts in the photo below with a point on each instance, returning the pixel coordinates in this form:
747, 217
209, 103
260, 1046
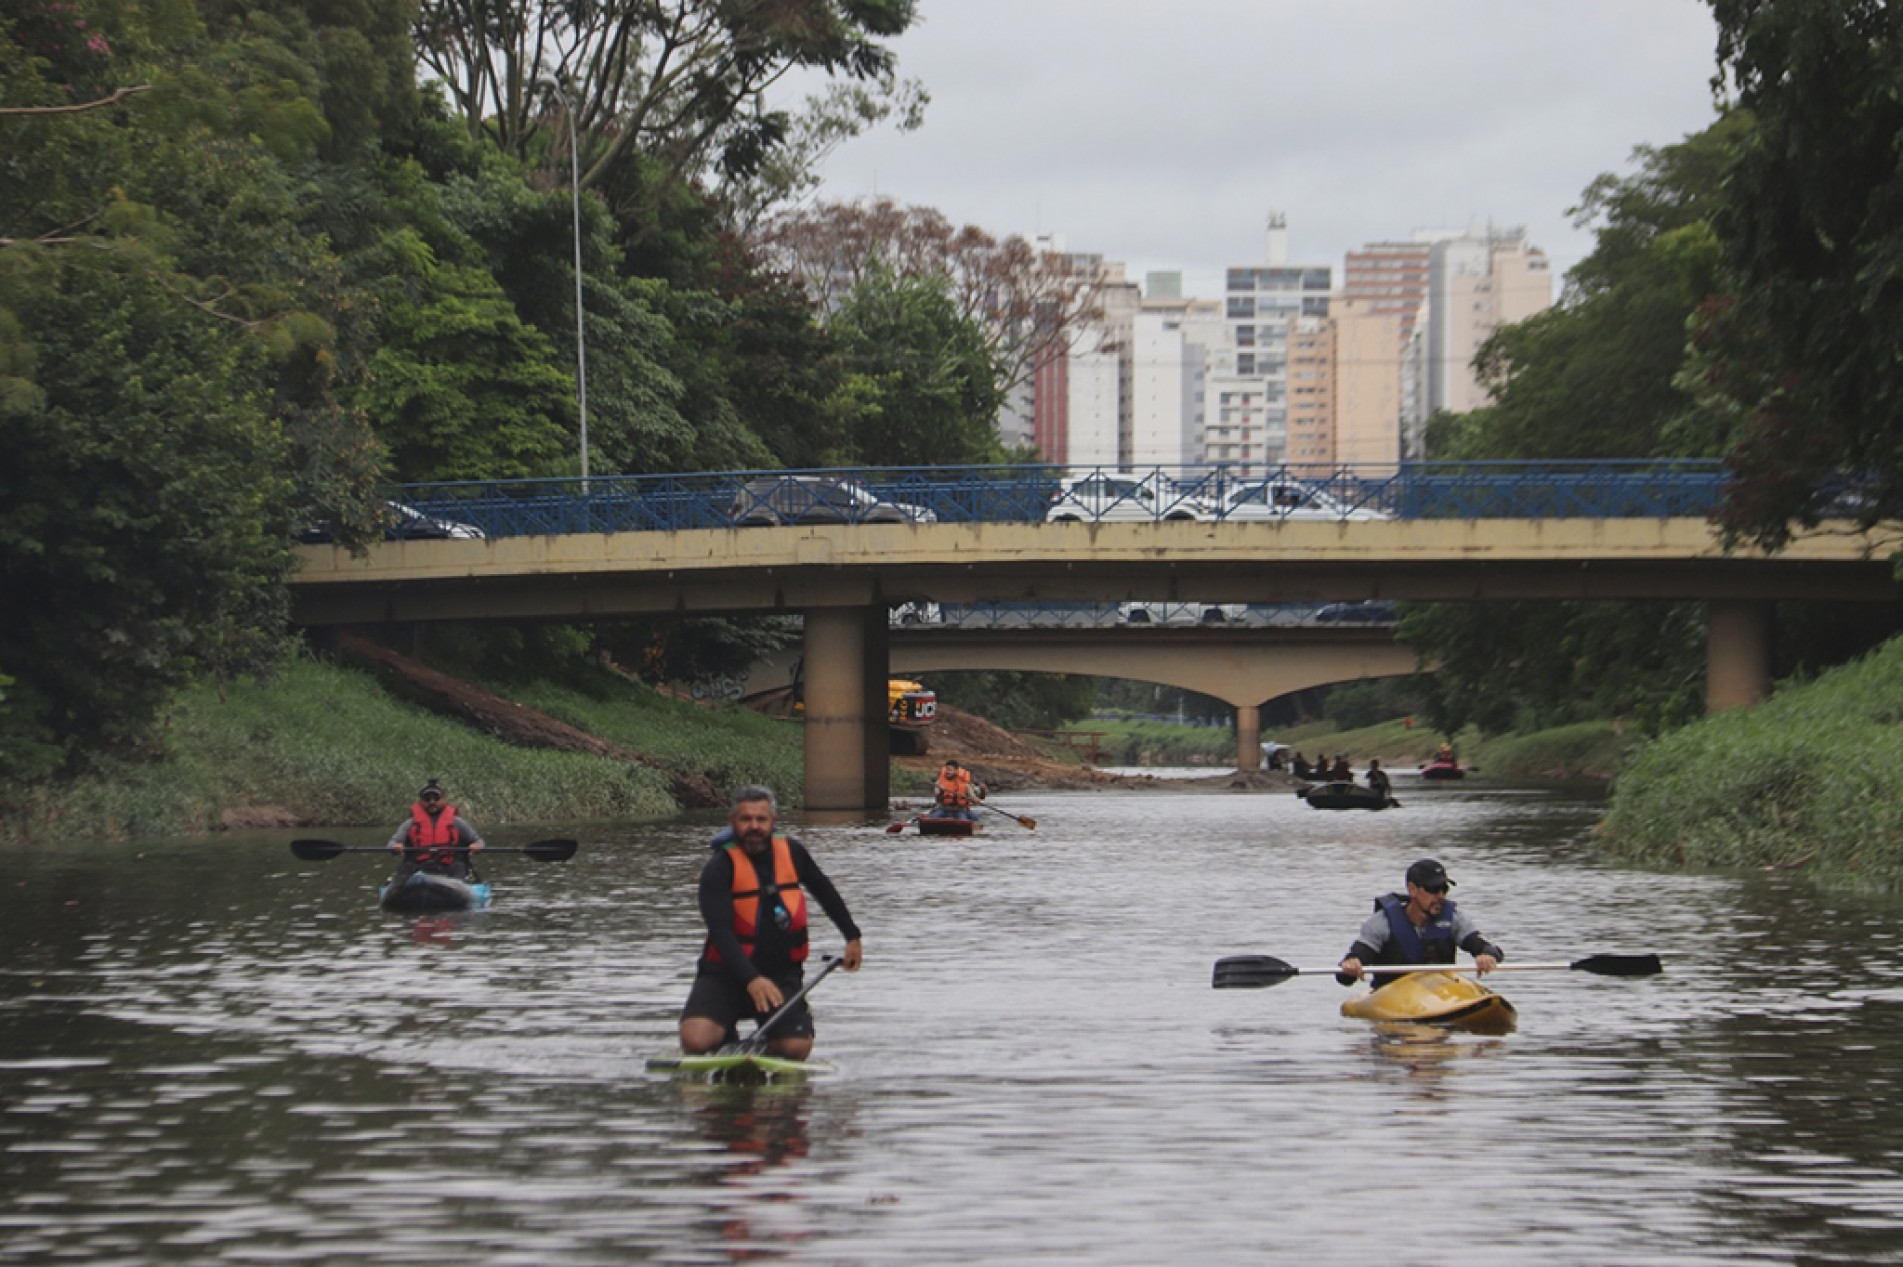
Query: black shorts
718, 996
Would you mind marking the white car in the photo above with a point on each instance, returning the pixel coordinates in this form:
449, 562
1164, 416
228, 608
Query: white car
1102, 497
1180, 613
1283, 499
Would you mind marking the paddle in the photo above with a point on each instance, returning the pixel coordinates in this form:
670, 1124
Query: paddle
898, 827
1254, 972
756, 1041
1023, 820
541, 850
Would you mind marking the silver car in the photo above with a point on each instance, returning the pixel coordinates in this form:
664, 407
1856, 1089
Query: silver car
1284, 499
1102, 497
818, 499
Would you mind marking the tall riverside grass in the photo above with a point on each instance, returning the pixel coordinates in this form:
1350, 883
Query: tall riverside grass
1806, 780
1583, 750
330, 746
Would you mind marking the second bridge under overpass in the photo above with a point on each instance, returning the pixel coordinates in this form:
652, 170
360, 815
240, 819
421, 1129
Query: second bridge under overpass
1243, 666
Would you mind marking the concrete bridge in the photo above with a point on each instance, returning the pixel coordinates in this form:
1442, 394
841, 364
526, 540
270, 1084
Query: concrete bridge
1244, 665
843, 578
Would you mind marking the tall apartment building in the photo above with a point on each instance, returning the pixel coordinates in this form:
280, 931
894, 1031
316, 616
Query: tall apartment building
1263, 306
1476, 282
1391, 279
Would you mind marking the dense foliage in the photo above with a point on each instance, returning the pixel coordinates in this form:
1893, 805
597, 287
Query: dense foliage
1800, 352
251, 273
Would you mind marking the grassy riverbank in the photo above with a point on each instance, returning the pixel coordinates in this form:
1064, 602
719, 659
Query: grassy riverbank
321, 744
1803, 782
1589, 750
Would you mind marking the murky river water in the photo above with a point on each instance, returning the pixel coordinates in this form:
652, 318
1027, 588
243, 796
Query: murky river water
211, 1052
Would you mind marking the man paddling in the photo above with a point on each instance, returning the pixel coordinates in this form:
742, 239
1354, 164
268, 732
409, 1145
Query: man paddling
1424, 926
753, 901
434, 838
954, 792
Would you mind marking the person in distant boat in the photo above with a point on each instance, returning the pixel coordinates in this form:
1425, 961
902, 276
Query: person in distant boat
753, 901
1339, 772
434, 838
1444, 755
1298, 765
955, 791
1421, 926
1378, 779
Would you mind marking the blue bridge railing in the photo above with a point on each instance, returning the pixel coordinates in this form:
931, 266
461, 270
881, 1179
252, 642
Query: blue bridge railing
1017, 494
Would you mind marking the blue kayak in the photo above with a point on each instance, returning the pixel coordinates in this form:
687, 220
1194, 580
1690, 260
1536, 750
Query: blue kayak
423, 893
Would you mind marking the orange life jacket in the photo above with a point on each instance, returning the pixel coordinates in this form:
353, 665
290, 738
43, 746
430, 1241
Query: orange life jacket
747, 894
433, 837
955, 789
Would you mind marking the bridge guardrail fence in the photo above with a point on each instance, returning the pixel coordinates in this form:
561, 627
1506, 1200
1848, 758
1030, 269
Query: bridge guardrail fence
1611, 489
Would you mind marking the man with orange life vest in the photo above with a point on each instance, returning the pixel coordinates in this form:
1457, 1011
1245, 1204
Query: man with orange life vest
753, 899
434, 838
954, 792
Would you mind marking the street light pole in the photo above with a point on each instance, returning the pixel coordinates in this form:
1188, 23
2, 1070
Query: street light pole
581, 344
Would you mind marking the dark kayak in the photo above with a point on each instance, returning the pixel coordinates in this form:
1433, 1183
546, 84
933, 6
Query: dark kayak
1344, 796
929, 825
422, 893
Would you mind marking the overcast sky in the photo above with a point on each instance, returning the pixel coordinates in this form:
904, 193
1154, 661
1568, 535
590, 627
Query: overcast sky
1162, 132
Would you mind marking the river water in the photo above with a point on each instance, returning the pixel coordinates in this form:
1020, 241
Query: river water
212, 1052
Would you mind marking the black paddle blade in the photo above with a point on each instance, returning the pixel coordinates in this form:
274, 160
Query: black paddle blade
1619, 965
1252, 972
550, 850
317, 850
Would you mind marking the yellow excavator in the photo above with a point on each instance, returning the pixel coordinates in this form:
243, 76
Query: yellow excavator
910, 709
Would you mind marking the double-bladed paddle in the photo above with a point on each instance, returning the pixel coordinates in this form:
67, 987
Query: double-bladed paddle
541, 850
1254, 972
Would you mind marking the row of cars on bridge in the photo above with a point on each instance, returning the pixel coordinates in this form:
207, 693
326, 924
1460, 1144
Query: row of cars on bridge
1098, 496
1095, 497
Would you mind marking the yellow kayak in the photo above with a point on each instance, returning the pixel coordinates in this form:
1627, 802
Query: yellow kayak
1435, 998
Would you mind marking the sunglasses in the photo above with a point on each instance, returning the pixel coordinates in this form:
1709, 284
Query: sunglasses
1433, 888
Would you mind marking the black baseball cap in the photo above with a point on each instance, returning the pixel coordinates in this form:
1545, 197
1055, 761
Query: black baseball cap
1429, 874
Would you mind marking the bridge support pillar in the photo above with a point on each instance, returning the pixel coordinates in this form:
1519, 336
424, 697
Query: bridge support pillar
1737, 653
1248, 736
847, 762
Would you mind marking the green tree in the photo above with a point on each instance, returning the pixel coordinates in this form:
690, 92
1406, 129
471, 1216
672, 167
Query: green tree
136, 526
1801, 356
922, 386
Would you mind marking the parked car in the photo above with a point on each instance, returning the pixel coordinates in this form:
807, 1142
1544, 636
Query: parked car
817, 499
1180, 613
401, 522
1285, 499
916, 614
1104, 497
1371, 613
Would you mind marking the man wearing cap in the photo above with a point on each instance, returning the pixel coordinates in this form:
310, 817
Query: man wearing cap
1421, 926
434, 838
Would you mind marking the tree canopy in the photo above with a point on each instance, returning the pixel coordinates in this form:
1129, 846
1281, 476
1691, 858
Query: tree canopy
1800, 354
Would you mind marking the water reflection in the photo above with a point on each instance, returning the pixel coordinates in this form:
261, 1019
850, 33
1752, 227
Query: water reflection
212, 1053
